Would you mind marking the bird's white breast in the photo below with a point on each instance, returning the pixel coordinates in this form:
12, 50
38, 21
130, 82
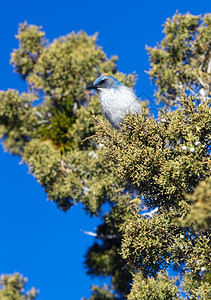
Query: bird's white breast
116, 103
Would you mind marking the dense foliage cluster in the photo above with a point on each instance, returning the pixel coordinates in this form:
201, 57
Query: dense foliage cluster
13, 288
182, 60
158, 163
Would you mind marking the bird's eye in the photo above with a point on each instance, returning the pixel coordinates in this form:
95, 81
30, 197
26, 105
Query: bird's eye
103, 80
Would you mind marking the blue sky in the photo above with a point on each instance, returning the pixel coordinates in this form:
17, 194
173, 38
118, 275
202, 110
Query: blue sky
37, 239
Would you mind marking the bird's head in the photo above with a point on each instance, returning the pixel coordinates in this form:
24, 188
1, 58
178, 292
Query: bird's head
105, 83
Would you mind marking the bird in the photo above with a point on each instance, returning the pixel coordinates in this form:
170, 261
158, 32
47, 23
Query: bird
116, 99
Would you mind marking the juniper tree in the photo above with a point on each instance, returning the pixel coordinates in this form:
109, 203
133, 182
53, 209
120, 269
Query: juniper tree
53, 135
167, 161
13, 288
161, 162
182, 60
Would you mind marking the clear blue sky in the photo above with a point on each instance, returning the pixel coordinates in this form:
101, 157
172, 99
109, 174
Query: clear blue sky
37, 239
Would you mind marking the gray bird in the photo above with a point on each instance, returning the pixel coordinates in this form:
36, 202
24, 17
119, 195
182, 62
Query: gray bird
116, 99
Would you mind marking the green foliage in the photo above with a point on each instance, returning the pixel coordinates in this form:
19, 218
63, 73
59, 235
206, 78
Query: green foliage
103, 258
199, 215
57, 130
51, 134
12, 288
160, 288
165, 162
160, 157
151, 244
17, 119
32, 41
182, 59
196, 289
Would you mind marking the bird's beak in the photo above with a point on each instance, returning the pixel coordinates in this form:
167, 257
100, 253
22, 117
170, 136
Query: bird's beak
91, 87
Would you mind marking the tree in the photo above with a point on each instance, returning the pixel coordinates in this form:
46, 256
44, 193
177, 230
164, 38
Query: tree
161, 163
12, 288
182, 60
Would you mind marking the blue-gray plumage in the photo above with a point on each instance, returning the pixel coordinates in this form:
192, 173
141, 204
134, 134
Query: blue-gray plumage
116, 99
